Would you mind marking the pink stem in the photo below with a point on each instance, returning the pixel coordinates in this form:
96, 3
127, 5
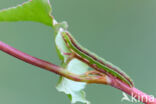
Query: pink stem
58, 70
133, 92
37, 62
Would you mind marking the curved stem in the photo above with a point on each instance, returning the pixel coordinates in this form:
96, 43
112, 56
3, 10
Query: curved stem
81, 78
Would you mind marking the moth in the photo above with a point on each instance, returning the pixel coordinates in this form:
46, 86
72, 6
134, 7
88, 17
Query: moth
95, 61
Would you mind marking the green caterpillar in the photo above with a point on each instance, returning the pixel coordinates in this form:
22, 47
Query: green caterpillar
95, 61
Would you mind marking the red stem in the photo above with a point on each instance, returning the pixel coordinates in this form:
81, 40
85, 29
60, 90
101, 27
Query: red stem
47, 65
58, 70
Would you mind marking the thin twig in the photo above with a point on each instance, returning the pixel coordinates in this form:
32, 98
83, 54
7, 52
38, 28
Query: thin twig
49, 66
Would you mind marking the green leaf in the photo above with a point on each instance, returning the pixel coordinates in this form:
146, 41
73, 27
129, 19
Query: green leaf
59, 42
33, 10
60, 45
73, 89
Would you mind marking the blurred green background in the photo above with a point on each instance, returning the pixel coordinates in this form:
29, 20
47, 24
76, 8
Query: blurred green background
121, 31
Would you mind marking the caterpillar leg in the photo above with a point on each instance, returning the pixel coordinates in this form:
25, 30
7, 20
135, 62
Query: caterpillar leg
94, 72
70, 57
68, 54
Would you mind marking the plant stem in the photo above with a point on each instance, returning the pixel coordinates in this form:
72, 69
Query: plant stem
48, 66
80, 78
134, 92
